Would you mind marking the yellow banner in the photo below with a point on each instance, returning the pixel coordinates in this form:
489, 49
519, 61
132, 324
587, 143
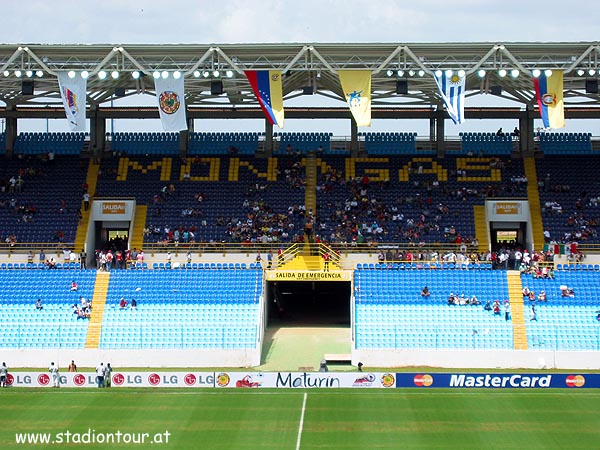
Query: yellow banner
307, 275
356, 85
556, 109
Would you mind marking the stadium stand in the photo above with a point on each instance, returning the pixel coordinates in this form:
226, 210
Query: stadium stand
569, 197
254, 190
173, 312
60, 143
433, 202
485, 144
387, 143
292, 143
391, 313
45, 208
145, 143
564, 143
23, 326
564, 322
243, 143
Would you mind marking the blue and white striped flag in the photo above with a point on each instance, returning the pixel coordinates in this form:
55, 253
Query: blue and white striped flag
452, 89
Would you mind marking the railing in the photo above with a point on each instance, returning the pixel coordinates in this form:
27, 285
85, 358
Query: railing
342, 249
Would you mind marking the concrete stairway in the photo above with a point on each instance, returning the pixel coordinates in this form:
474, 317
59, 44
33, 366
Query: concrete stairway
481, 228
98, 304
515, 291
535, 209
139, 222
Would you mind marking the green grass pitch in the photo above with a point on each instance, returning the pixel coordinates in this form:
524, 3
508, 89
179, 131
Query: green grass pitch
333, 419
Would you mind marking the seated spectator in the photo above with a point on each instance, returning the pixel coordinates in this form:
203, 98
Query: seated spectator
488, 306
526, 292
532, 296
452, 299
74, 286
542, 296
133, 303
496, 308
566, 291
123, 303
425, 292
38, 304
474, 300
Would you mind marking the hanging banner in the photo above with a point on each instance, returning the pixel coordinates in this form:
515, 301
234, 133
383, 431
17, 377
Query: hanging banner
356, 85
268, 88
73, 94
452, 90
171, 102
549, 96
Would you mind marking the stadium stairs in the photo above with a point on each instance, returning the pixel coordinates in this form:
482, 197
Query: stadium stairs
139, 221
98, 303
308, 260
535, 209
515, 293
310, 196
91, 179
481, 228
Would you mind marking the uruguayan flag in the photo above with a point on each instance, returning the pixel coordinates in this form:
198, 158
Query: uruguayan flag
452, 89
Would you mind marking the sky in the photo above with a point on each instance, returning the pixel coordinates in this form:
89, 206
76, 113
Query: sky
308, 21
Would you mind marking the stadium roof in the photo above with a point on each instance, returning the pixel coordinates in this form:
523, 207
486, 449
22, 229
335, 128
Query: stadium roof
303, 65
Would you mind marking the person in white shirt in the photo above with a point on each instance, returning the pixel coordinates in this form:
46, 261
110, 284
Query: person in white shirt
100, 375
3, 374
54, 373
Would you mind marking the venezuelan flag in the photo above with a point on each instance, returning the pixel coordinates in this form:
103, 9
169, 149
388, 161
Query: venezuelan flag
549, 95
268, 88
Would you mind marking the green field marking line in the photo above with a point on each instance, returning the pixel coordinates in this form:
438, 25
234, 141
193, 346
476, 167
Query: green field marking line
301, 424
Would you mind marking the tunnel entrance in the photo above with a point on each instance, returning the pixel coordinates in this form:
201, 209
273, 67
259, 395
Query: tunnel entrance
308, 303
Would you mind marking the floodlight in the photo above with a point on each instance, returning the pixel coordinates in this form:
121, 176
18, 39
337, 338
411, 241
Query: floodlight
114, 74
177, 74
548, 72
135, 75
102, 74
514, 73
71, 74
18, 73
85, 74
164, 74
502, 73
481, 73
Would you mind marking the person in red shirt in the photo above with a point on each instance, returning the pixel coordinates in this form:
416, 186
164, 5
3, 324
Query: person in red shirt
326, 258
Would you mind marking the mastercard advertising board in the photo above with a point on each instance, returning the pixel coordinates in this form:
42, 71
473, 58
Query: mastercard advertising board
497, 380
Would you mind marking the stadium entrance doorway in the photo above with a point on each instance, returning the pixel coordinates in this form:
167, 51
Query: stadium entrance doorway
308, 303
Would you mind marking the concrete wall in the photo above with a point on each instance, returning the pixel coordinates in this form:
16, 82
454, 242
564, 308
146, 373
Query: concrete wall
132, 358
480, 359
